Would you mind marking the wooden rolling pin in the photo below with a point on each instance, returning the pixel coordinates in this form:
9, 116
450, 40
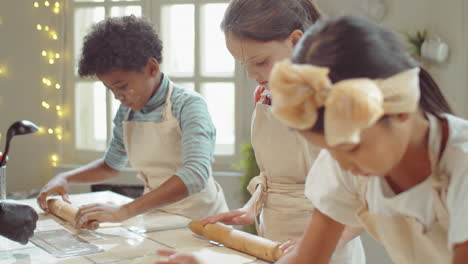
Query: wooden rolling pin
253, 245
67, 212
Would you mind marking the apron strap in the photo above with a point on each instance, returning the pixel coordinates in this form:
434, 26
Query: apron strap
256, 181
168, 110
440, 179
127, 115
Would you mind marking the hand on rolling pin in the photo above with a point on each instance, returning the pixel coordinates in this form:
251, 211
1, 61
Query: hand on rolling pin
176, 258
289, 245
240, 216
57, 185
110, 213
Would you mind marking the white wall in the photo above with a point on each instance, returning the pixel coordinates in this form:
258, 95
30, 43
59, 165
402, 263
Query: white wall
21, 91
441, 18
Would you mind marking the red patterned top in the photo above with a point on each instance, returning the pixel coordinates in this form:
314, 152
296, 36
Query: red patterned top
258, 95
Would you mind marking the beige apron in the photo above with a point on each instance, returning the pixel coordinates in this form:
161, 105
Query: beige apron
155, 149
284, 159
405, 238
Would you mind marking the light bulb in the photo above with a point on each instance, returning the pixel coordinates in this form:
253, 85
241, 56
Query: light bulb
36, 4
39, 27
51, 61
44, 53
50, 130
57, 86
57, 56
46, 3
45, 105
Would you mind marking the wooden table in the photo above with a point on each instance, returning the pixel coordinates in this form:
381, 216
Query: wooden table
135, 241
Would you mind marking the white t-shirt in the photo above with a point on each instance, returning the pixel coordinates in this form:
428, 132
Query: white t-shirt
336, 192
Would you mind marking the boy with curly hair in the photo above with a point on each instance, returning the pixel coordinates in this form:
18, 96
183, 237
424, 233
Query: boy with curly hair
164, 131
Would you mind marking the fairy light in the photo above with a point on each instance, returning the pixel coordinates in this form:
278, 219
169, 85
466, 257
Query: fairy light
54, 158
45, 105
51, 57
41, 130
3, 70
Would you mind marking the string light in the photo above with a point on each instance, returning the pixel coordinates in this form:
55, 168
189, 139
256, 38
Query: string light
3, 70
51, 57
45, 105
54, 158
41, 130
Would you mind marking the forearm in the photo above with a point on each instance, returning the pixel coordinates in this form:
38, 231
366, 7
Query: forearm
171, 191
349, 233
460, 253
96, 171
318, 242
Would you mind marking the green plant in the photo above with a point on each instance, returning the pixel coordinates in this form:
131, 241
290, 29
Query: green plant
248, 164
415, 42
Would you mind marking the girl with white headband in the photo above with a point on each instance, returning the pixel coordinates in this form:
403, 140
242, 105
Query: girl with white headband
394, 158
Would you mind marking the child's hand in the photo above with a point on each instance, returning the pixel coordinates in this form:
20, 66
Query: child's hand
176, 258
235, 217
289, 245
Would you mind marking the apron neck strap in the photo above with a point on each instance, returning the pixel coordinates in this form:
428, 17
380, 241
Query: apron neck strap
435, 141
168, 110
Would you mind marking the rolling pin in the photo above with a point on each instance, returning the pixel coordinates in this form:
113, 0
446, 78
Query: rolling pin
67, 212
251, 244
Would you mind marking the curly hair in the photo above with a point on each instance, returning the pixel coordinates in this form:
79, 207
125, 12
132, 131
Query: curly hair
119, 42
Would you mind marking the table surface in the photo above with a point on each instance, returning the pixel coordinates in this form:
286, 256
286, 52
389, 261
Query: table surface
135, 241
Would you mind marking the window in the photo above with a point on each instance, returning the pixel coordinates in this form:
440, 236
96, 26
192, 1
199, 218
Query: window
194, 56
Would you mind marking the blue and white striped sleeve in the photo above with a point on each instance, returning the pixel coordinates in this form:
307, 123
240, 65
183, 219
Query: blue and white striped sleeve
116, 155
198, 142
